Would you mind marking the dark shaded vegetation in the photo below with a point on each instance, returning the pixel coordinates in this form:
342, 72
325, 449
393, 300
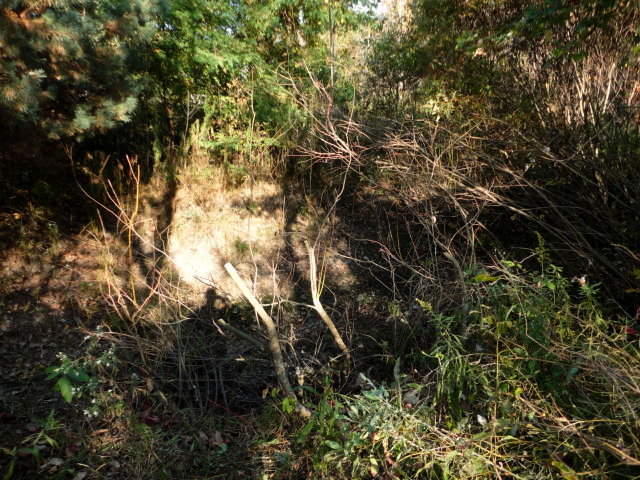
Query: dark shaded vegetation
467, 173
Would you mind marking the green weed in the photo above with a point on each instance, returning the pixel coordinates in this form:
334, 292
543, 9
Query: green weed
544, 385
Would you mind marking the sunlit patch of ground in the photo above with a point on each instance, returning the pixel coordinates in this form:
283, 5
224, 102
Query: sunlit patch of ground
213, 224
252, 227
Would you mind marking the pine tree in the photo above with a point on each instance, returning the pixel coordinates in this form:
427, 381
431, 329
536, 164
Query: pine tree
72, 67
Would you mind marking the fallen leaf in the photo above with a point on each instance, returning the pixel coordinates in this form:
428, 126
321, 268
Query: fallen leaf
149, 419
217, 439
52, 462
71, 450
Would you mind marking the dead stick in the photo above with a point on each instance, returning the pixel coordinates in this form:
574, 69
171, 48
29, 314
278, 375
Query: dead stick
274, 343
313, 274
241, 334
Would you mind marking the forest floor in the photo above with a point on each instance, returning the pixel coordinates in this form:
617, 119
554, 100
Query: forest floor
50, 303
114, 368
55, 313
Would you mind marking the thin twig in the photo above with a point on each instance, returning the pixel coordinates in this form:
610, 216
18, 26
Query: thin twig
241, 334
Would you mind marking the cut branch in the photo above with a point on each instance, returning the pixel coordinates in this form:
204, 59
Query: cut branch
315, 296
274, 343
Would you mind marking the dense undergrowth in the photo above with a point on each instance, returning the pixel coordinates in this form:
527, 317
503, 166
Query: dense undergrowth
540, 384
466, 173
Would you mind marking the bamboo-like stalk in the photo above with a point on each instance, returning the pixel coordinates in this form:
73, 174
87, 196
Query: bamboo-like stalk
315, 296
274, 343
136, 176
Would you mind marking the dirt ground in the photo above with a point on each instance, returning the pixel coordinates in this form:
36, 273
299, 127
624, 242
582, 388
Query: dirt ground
47, 302
187, 399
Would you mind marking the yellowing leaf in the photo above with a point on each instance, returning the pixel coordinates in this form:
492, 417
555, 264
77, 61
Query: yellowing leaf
373, 468
484, 277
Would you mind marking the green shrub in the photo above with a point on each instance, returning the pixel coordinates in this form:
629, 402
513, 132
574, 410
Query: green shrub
543, 385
